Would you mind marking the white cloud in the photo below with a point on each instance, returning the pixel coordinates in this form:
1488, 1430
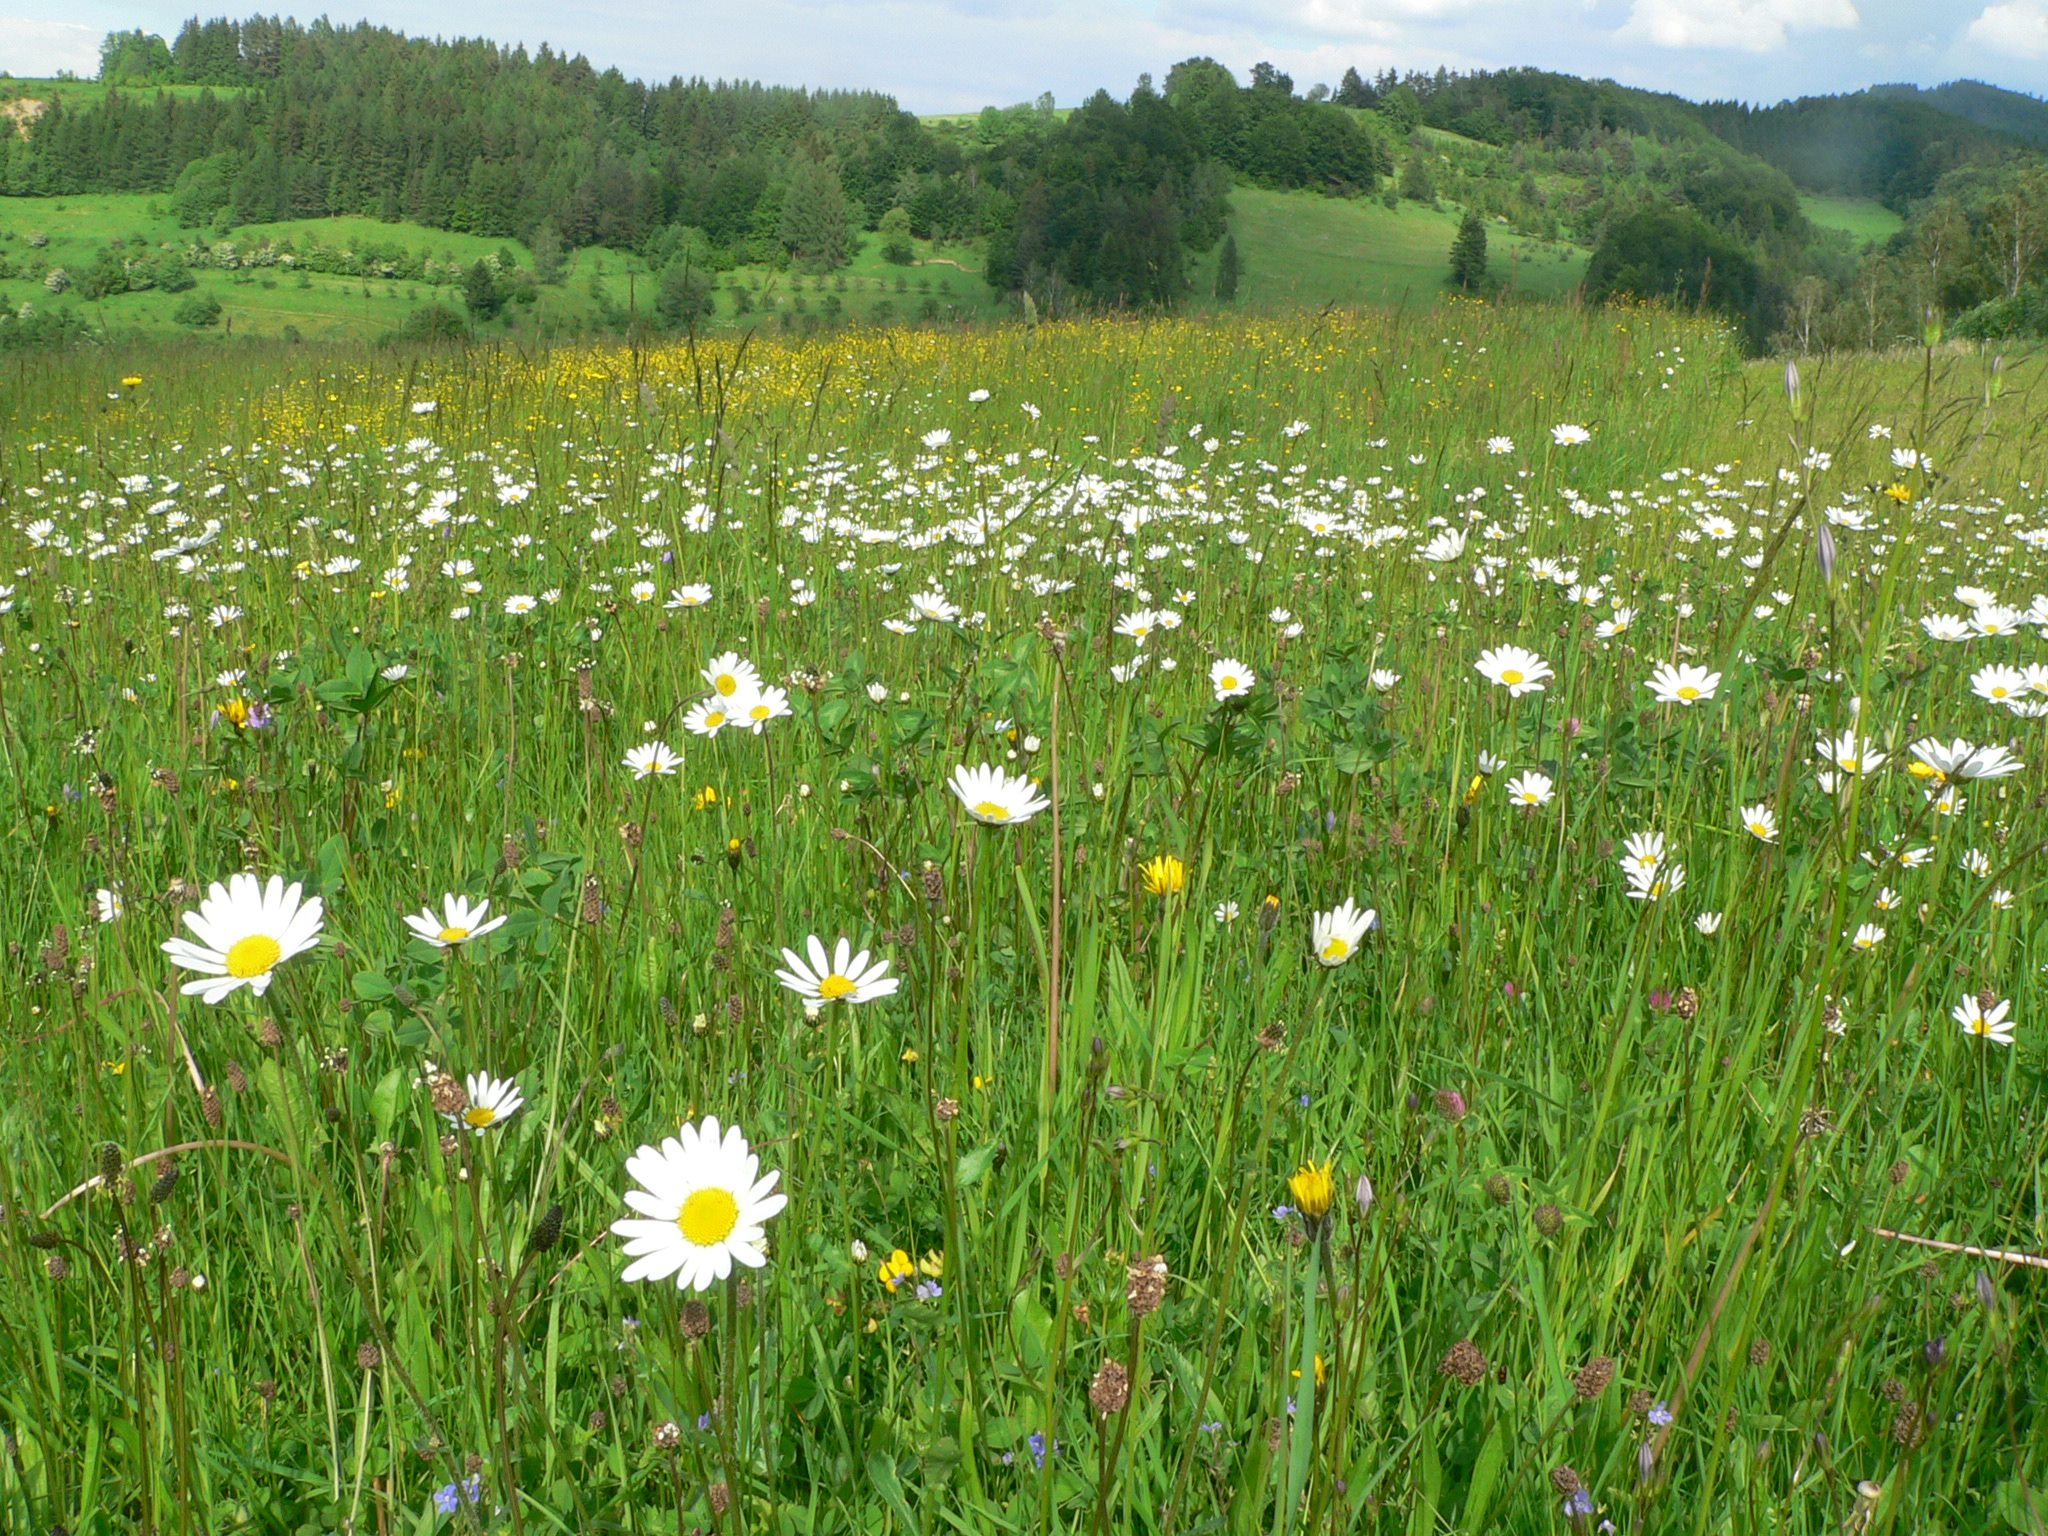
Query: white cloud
1747, 26
31, 48
2017, 27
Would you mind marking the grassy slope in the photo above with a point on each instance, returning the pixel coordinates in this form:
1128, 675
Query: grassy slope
1301, 248
264, 301
1864, 220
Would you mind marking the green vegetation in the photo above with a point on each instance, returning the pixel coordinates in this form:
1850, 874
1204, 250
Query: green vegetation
1864, 220
1304, 250
1452, 1028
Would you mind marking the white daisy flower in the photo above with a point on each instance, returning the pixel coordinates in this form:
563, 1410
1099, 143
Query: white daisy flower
245, 930
842, 976
704, 1205
492, 1100
458, 923
1335, 934
1231, 679
653, 758
993, 798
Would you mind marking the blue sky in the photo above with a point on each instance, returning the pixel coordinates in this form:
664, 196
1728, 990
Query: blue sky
952, 55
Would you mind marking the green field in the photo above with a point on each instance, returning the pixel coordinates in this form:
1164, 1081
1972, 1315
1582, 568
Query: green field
1863, 219
945, 282
1486, 976
1303, 249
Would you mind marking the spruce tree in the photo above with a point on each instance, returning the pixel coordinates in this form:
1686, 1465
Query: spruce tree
1468, 252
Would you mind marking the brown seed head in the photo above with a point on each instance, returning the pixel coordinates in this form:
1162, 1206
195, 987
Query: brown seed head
1111, 1389
1464, 1364
368, 1355
1593, 1378
1145, 1284
696, 1320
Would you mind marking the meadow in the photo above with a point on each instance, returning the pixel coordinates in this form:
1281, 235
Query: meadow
1422, 921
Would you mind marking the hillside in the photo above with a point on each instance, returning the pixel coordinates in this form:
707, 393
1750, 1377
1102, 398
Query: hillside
270, 178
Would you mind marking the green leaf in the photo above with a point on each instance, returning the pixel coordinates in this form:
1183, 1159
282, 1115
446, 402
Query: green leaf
1485, 1473
973, 1165
882, 1473
384, 1101
370, 986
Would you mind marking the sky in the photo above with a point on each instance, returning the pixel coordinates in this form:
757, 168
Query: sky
960, 55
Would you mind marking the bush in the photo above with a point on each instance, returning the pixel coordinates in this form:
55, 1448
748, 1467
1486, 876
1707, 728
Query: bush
433, 323
198, 312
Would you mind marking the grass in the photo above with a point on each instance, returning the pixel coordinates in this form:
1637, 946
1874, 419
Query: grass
1300, 248
1863, 219
1600, 1238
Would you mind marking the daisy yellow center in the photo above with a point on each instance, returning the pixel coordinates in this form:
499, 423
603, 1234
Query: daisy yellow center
1760, 829
834, 987
454, 935
728, 685
1336, 949
253, 956
988, 810
1688, 693
708, 1217
715, 719
760, 712
480, 1115
1511, 676
1229, 682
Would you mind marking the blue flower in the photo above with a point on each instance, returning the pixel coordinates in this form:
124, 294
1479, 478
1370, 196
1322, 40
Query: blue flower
1579, 1505
453, 1496
1661, 1414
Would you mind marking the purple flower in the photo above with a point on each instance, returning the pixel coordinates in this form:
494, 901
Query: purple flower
1037, 1443
928, 1290
1660, 1414
1579, 1505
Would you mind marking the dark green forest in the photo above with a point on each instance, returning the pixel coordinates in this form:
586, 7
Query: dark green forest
1107, 206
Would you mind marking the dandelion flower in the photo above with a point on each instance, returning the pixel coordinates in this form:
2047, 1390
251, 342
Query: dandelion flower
245, 930
1314, 1192
995, 799
841, 976
1164, 875
458, 923
704, 1205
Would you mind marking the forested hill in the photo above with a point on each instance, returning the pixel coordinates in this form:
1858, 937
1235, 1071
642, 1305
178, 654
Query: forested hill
1842, 220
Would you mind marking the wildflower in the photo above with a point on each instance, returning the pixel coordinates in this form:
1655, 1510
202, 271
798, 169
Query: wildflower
653, 759
1655, 885
1335, 934
704, 1205
1531, 789
729, 677
1992, 1025
1683, 684
1515, 669
993, 798
245, 930
1708, 924
1868, 937
1231, 679
1850, 753
492, 1101
451, 1497
707, 717
1642, 853
1760, 823
843, 976
896, 1269
1569, 435
1226, 911
108, 904
521, 603
458, 924
756, 710
1314, 1193
1164, 875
